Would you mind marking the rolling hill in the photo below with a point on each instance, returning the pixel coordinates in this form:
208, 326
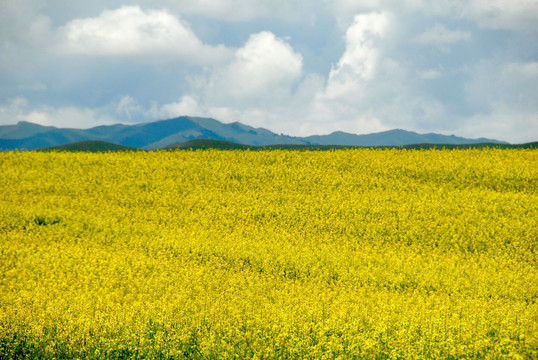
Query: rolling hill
91, 146
228, 145
166, 133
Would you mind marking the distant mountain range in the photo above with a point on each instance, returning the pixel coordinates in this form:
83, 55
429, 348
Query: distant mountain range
174, 132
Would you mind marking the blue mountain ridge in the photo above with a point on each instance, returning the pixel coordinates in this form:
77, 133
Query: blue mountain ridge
163, 133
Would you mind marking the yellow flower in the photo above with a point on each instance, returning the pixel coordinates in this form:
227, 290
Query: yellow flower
269, 254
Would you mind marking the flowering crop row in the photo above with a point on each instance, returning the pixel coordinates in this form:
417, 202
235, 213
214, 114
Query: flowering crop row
269, 254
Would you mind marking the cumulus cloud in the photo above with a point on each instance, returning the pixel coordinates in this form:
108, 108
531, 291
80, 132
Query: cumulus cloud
356, 77
370, 90
360, 59
360, 54
263, 70
131, 32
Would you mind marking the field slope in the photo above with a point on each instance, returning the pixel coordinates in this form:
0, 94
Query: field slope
342, 254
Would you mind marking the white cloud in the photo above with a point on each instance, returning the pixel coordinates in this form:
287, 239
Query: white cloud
129, 108
186, 106
361, 56
19, 109
363, 78
440, 35
129, 31
263, 70
360, 60
369, 90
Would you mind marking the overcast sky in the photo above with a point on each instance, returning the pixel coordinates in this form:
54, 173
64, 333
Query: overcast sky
463, 67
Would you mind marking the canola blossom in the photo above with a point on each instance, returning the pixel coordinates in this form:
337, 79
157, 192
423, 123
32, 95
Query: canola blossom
344, 254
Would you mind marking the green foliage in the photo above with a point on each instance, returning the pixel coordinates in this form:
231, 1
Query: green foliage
90, 146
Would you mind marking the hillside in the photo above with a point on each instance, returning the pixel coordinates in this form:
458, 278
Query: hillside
90, 146
227, 145
396, 137
166, 133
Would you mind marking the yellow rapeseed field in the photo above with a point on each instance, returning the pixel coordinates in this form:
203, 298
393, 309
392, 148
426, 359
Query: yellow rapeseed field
345, 254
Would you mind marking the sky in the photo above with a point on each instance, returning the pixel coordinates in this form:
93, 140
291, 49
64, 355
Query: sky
296, 67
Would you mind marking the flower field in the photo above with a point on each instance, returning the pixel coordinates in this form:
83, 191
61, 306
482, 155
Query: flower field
344, 254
